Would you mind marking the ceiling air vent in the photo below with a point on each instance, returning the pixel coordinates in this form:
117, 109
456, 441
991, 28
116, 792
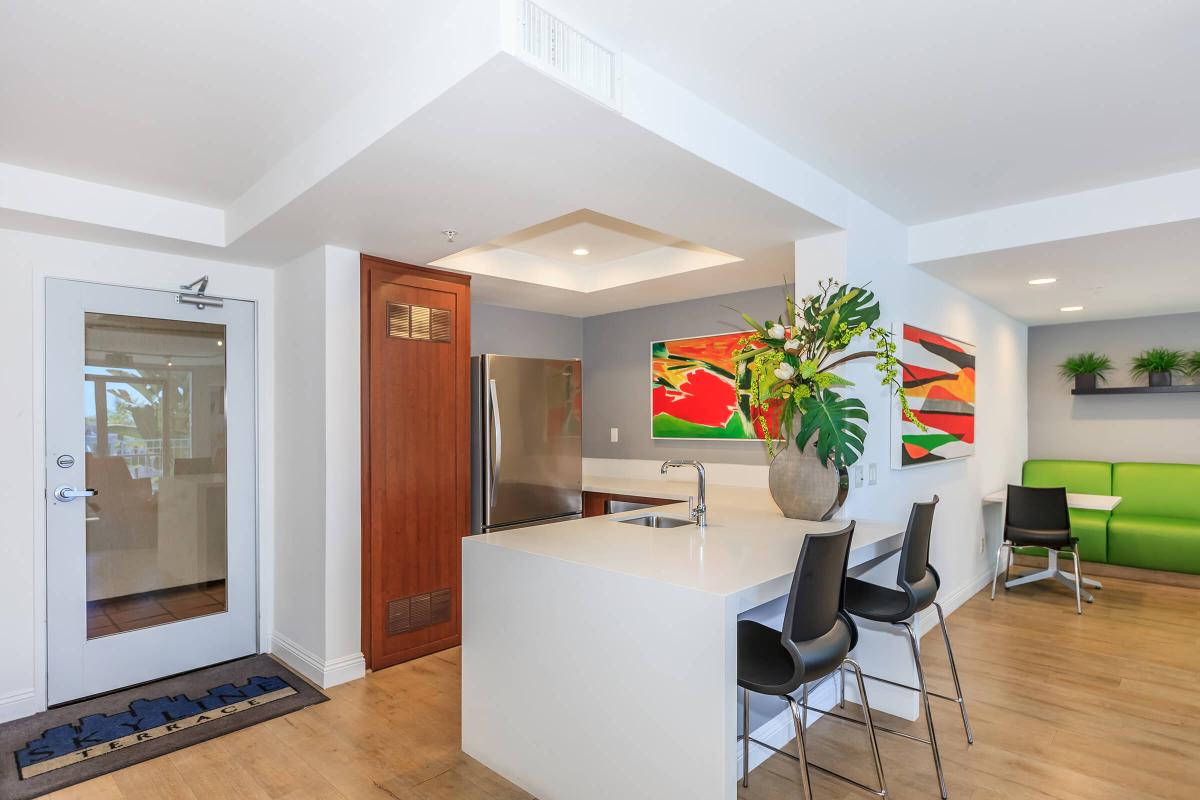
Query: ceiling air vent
566, 53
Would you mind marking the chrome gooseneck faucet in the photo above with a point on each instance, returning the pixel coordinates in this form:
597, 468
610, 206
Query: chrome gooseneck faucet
696, 511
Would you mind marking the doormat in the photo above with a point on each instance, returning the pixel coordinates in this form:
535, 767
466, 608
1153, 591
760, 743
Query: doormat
76, 742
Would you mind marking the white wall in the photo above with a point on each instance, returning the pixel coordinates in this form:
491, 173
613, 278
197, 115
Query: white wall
300, 454
28, 259
877, 254
529, 334
616, 375
317, 587
1123, 427
876, 249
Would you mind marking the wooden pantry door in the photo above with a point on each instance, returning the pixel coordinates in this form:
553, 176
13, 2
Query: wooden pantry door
416, 453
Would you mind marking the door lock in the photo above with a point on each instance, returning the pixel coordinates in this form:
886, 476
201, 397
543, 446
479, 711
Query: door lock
68, 493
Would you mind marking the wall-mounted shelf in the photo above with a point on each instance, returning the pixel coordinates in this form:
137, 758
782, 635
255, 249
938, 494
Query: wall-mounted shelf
1138, 389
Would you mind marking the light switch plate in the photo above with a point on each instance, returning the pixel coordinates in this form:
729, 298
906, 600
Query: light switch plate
613, 434
873, 474
858, 476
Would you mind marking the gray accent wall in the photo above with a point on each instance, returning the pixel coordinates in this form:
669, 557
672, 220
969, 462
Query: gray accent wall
513, 332
616, 374
1160, 427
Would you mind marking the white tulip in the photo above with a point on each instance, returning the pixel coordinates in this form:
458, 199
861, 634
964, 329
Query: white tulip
791, 345
785, 371
776, 331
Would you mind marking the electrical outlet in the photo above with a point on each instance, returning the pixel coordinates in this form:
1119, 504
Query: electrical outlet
613, 434
858, 476
872, 474
982, 541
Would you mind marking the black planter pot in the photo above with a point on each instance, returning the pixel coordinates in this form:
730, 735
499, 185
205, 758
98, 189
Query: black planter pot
1160, 379
1085, 382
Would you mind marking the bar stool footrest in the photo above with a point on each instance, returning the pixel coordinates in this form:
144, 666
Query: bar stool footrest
860, 723
958, 700
819, 768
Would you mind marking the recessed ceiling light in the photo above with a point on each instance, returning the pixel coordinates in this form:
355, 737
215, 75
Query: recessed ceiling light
580, 251
1071, 308
1042, 281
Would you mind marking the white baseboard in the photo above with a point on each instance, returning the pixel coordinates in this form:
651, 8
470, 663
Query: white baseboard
16, 705
778, 730
344, 669
323, 673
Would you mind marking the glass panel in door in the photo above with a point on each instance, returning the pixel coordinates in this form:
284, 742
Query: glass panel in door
155, 452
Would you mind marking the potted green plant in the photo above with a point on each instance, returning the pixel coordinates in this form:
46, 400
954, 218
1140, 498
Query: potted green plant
1087, 369
1192, 367
1159, 363
792, 380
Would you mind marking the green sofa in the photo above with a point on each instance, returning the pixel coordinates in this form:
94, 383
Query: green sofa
1157, 524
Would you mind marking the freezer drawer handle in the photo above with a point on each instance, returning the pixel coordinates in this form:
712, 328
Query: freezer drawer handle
496, 449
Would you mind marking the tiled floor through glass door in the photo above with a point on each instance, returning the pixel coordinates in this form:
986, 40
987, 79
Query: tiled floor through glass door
133, 611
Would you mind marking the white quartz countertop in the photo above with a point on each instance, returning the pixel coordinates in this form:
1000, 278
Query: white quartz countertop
747, 544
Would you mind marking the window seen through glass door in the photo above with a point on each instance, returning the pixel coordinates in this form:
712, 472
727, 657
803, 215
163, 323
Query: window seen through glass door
155, 435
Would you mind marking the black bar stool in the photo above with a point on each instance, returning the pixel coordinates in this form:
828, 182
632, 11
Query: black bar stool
817, 636
918, 584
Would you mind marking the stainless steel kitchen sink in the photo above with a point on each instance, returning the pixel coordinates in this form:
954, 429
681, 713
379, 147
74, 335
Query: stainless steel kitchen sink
656, 521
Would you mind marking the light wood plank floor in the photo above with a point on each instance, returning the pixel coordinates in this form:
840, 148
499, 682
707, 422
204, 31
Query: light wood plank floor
1106, 705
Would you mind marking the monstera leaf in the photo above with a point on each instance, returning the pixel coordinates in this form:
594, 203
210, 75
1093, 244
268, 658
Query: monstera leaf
835, 421
852, 305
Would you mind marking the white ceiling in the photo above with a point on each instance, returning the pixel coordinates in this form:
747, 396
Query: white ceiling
466, 162
189, 100
936, 108
605, 239
602, 244
928, 109
770, 267
1133, 273
616, 253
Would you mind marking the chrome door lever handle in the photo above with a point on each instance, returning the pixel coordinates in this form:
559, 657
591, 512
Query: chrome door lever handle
67, 493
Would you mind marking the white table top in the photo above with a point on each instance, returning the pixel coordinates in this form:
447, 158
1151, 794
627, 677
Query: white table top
748, 543
1098, 502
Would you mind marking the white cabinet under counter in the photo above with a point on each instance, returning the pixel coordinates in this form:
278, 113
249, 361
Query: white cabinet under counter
599, 658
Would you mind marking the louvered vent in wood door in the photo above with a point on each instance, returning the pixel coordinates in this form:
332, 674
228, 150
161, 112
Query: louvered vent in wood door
418, 611
418, 322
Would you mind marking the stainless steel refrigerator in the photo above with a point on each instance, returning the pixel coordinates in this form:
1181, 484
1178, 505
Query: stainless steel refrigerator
527, 434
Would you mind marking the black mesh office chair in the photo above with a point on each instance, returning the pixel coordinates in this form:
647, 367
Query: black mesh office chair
1039, 518
817, 636
917, 585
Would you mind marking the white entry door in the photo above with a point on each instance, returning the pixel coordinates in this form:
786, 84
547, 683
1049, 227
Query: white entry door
150, 486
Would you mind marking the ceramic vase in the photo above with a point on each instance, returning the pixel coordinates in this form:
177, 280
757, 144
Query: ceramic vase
805, 488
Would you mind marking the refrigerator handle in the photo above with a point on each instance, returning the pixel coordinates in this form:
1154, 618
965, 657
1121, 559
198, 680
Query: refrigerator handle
496, 450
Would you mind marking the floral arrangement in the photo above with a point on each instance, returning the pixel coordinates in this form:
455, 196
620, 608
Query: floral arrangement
791, 362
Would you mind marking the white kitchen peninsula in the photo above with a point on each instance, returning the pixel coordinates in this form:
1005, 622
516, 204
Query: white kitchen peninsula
599, 658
